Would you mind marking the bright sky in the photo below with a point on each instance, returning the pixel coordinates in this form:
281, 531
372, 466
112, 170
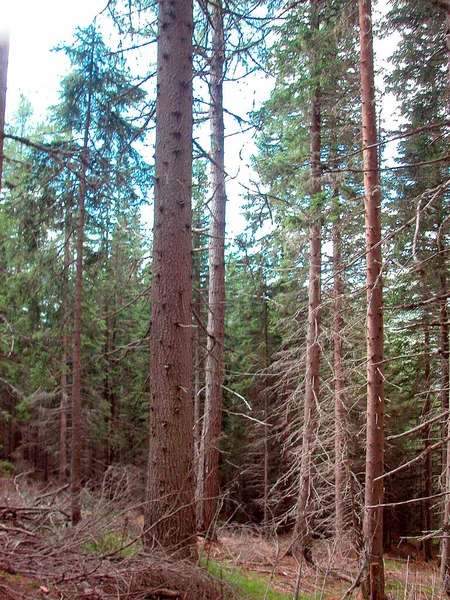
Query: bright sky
36, 26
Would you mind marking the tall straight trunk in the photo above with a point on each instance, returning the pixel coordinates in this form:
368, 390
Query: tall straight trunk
77, 428
426, 436
64, 356
305, 508
266, 410
4, 54
208, 475
444, 351
340, 448
444, 354
197, 372
170, 511
373, 576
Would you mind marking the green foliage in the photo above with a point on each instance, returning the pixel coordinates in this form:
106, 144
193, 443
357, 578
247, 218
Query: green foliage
6, 468
111, 541
248, 585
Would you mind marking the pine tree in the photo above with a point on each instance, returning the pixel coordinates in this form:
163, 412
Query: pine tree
170, 514
4, 52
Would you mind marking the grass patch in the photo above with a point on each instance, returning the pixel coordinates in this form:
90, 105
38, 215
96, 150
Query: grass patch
109, 541
248, 585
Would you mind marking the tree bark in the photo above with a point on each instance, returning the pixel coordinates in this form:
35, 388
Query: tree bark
340, 447
445, 375
64, 344
444, 352
304, 517
170, 513
208, 477
426, 436
4, 54
77, 428
373, 576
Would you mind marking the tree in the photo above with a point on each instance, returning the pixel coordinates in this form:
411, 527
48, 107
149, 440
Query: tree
170, 513
207, 480
373, 581
96, 96
4, 52
303, 531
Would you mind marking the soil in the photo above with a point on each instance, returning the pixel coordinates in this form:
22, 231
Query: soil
42, 558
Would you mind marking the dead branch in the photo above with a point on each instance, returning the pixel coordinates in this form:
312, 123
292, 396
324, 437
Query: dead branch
418, 427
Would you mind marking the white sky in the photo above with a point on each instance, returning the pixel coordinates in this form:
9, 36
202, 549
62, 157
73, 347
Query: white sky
37, 26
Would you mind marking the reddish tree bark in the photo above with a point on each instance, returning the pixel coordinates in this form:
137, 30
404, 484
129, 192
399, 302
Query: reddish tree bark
340, 447
304, 517
373, 577
208, 477
170, 512
4, 54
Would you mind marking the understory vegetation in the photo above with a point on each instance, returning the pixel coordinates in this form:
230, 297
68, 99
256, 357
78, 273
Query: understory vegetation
185, 414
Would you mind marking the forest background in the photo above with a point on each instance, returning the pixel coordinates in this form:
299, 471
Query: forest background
274, 446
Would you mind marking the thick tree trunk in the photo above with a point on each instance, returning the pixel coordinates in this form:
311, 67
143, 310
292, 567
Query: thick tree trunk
170, 511
4, 54
305, 505
208, 476
373, 577
340, 447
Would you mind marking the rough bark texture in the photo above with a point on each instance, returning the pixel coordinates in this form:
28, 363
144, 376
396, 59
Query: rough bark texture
4, 54
373, 576
340, 447
303, 525
170, 512
208, 480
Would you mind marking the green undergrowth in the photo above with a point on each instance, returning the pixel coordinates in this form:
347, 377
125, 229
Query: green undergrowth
110, 541
248, 585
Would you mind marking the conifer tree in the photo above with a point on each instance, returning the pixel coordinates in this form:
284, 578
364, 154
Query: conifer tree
4, 52
373, 581
170, 512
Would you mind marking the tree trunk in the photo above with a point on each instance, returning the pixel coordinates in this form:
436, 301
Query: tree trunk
426, 436
373, 576
64, 357
340, 447
170, 513
266, 409
208, 476
77, 428
304, 516
444, 352
4, 54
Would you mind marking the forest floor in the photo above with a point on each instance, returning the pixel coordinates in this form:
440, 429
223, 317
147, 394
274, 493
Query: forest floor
41, 557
